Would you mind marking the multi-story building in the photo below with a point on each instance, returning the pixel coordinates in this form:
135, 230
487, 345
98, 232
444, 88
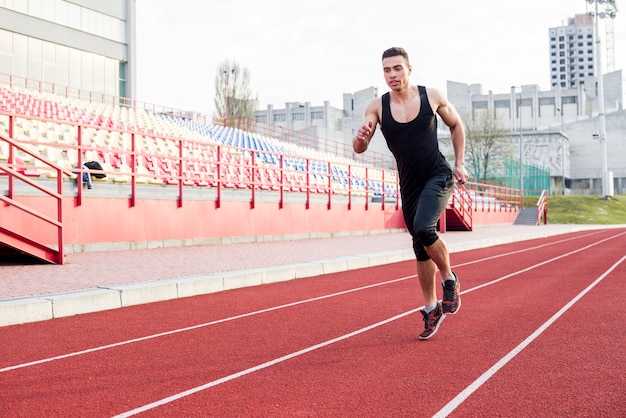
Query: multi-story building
571, 52
84, 46
329, 125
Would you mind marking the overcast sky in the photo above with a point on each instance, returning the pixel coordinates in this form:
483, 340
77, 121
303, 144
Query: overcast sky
313, 51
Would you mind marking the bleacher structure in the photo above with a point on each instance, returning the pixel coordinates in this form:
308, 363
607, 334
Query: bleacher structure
47, 137
157, 137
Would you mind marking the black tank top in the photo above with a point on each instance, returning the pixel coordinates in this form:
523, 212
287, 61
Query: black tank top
414, 144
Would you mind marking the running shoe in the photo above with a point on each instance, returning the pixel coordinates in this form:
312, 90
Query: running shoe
451, 300
431, 322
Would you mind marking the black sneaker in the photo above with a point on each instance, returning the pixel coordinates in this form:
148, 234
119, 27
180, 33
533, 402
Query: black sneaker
451, 300
431, 322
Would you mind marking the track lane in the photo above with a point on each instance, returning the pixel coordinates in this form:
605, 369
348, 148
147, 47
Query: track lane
575, 367
383, 371
403, 298
23, 343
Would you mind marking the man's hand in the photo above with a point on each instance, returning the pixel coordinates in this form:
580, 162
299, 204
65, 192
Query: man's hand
363, 136
365, 131
460, 174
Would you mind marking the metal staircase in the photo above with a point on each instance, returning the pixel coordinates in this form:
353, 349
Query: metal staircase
458, 213
16, 236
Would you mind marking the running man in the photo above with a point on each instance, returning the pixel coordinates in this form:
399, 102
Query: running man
407, 119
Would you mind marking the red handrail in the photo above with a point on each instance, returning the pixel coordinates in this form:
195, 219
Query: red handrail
12, 169
542, 208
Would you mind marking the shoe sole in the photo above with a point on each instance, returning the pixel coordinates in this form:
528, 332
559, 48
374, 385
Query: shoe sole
457, 309
436, 328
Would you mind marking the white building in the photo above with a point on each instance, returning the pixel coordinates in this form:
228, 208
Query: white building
84, 46
558, 127
571, 52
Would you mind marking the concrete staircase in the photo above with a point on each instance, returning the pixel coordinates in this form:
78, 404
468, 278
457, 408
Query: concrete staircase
527, 216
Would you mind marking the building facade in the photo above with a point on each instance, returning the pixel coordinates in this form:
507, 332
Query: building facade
333, 127
558, 128
83, 46
572, 52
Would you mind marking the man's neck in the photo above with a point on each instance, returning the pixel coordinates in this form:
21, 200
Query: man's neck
404, 95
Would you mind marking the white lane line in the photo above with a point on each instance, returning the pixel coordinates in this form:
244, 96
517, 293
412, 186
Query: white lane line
454, 403
352, 334
232, 318
263, 365
493, 257
193, 327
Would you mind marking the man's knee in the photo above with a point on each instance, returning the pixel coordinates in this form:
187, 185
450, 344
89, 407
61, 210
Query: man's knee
427, 236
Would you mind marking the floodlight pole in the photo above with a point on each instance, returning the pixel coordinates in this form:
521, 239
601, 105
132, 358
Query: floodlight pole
609, 11
521, 138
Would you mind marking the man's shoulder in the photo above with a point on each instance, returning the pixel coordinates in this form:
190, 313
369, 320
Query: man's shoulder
376, 101
435, 95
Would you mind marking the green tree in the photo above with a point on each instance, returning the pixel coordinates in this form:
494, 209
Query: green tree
233, 99
486, 144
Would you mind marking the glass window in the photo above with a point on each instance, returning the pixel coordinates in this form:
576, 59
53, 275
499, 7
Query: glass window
34, 59
20, 49
122, 79
62, 70
501, 103
480, 105
57, 65
62, 13
35, 8
20, 6
110, 77
6, 42
98, 73
87, 67
6, 52
74, 69
73, 14
48, 9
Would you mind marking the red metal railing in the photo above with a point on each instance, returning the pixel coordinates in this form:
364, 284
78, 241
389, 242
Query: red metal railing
493, 198
16, 169
193, 163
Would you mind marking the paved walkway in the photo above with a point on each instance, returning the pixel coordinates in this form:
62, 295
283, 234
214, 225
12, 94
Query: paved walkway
35, 292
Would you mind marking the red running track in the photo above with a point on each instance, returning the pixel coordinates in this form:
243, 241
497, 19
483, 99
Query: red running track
541, 332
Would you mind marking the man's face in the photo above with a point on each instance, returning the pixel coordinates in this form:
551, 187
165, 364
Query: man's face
396, 72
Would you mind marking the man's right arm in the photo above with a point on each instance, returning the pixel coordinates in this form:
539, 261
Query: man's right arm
364, 134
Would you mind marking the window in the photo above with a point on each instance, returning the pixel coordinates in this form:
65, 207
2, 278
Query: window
568, 100
480, 105
501, 103
317, 115
68, 14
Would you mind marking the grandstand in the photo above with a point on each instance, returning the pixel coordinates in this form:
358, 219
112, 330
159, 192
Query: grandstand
178, 179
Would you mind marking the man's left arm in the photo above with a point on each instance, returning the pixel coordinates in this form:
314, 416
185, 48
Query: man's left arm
451, 118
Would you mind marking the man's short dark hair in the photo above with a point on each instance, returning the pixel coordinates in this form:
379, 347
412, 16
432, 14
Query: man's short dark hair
395, 51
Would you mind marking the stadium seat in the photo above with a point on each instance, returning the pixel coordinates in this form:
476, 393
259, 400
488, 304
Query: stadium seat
25, 169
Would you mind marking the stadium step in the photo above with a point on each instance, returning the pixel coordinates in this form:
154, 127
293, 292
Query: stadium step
527, 216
